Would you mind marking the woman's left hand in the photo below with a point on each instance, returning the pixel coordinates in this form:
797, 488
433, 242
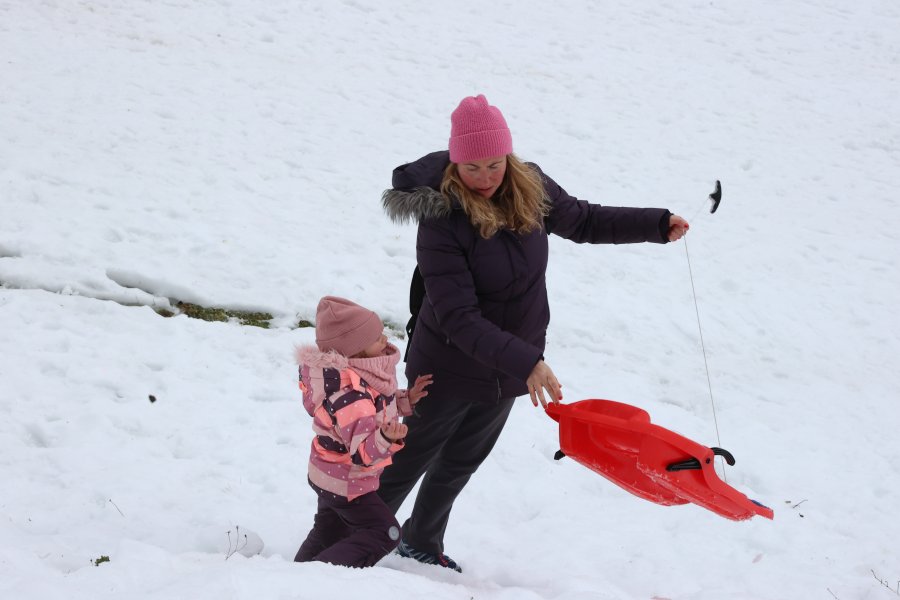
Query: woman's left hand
677, 228
540, 380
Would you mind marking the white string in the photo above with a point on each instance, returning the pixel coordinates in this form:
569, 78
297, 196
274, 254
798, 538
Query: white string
703, 348
699, 210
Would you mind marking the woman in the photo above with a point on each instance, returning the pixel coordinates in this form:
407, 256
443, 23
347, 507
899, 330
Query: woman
484, 216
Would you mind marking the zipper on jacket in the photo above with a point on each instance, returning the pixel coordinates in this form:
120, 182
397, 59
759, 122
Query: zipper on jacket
499, 390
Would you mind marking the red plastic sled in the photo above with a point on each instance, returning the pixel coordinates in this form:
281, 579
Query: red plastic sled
618, 441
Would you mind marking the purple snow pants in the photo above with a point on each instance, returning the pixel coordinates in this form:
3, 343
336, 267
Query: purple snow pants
355, 533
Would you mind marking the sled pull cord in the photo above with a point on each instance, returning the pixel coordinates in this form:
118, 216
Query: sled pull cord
716, 198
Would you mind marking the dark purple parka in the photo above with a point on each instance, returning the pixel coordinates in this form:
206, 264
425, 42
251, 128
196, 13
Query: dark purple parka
483, 323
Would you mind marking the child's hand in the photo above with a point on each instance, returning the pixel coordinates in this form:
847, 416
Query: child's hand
393, 431
417, 391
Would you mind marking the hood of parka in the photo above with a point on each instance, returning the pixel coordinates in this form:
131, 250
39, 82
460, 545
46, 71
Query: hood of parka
415, 194
416, 205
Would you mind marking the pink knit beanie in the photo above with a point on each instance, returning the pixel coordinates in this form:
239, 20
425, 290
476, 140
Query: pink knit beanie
345, 327
478, 130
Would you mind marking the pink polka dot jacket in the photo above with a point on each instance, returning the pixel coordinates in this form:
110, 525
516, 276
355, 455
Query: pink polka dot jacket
349, 400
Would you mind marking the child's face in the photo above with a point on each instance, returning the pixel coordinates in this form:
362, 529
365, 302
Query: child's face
377, 348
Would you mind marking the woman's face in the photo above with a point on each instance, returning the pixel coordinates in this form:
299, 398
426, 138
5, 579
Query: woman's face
483, 176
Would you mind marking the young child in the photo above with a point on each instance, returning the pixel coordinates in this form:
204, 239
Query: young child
349, 387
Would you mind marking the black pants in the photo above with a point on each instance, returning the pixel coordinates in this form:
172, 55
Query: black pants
447, 441
354, 533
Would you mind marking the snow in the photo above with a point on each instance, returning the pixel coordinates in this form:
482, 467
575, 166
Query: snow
233, 153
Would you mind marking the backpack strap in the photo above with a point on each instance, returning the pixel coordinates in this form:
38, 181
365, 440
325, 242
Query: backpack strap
416, 297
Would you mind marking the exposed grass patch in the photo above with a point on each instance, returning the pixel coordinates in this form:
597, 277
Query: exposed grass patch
254, 319
99, 561
398, 330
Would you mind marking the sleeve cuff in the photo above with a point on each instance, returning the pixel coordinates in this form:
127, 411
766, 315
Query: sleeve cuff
404, 408
664, 226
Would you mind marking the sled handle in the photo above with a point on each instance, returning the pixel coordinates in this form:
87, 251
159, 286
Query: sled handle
728, 456
694, 463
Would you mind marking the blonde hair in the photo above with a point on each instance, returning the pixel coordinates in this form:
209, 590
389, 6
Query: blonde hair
519, 204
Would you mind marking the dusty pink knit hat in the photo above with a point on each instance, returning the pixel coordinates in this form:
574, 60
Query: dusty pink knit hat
478, 130
345, 327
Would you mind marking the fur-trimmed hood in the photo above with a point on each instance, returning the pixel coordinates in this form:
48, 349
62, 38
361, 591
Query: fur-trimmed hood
415, 194
314, 358
378, 371
416, 205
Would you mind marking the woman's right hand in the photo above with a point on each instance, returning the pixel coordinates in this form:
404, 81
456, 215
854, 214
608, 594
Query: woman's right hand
393, 431
543, 380
678, 227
